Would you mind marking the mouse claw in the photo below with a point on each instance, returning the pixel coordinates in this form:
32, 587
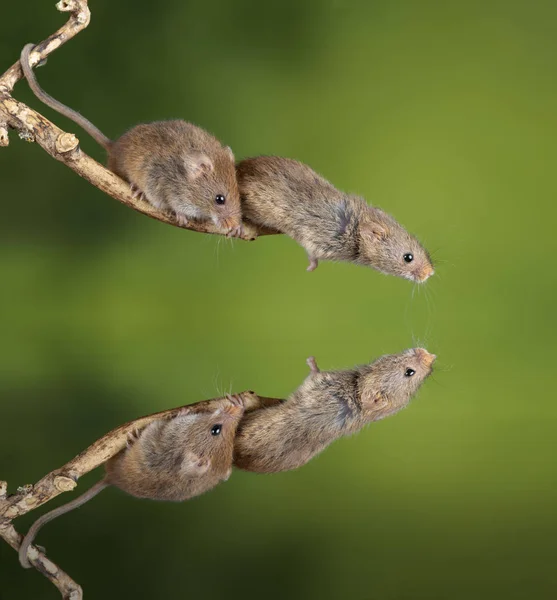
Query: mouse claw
235, 232
136, 192
312, 364
181, 219
235, 399
132, 437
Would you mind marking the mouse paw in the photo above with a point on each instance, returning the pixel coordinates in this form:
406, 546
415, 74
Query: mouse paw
181, 219
312, 364
132, 437
235, 399
235, 232
136, 192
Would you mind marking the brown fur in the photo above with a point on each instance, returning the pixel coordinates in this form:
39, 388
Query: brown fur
176, 166
179, 458
181, 168
288, 196
171, 459
327, 406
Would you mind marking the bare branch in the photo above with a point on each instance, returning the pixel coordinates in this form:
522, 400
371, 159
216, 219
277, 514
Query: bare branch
79, 19
69, 589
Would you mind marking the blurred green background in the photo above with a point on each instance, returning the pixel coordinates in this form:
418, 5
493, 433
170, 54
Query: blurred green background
444, 114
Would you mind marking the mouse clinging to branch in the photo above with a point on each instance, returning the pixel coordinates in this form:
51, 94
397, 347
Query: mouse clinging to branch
170, 459
176, 166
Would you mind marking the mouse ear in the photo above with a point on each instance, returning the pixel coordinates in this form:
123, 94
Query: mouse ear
194, 466
373, 400
198, 165
374, 230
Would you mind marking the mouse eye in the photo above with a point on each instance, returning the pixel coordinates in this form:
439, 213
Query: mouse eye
408, 257
216, 429
220, 199
409, 372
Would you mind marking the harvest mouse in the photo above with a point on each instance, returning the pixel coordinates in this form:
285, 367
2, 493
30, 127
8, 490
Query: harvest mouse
288, 196
170, 459
327, 406
176, 166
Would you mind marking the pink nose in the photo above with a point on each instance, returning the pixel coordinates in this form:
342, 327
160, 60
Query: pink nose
425, 357
425, 273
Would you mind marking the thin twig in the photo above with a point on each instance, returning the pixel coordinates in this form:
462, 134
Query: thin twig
69, 589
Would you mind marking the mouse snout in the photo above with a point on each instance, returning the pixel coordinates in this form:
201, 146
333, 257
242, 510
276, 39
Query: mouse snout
425, 357
425, 273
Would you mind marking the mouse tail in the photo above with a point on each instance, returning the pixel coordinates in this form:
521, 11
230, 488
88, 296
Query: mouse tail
56, 105
79, 501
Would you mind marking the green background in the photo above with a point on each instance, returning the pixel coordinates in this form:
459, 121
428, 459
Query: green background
442, 113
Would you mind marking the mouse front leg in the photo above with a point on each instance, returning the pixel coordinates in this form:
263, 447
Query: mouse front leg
132, 437
181, 218
313, 263
137, 192
236, 232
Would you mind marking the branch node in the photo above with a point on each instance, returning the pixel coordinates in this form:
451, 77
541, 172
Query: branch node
4, 140
66, 142
83, 17
26, 136
67, 6
25, 489
11, 513
64, 484
30, 501
3, 489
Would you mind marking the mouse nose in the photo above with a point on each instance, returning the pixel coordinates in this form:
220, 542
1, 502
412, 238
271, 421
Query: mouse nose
425, 273
425, 357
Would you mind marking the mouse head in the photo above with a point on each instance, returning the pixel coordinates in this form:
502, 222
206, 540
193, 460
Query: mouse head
212, 435
212, 183
388, 247
388, 384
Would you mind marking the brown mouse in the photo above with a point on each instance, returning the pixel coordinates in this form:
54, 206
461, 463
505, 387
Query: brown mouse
327, 406
288, 196
176, 166
170, 459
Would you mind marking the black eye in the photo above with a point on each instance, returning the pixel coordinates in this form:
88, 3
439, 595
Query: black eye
408, 257
220, 199
216, 429
409, 372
